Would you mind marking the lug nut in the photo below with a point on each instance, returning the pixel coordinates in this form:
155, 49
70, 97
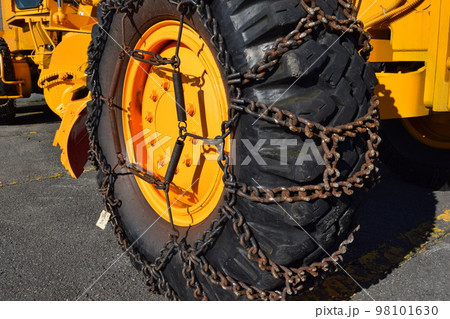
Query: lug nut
154, 95
149, 117
190, 109
188, 161
165, 84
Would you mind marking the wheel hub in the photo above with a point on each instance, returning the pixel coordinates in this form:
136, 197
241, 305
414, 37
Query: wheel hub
150, 122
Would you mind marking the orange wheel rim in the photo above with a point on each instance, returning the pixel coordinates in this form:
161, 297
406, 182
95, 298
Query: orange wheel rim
150, 123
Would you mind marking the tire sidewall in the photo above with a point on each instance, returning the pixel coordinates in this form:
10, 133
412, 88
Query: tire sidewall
138, 217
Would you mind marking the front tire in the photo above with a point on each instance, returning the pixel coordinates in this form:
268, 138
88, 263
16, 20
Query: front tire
335, 87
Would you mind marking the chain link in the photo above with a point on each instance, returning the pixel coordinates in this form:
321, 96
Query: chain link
193, 256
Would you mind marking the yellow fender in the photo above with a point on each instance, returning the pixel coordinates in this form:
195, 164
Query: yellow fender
72, 136
66, 71
64, 84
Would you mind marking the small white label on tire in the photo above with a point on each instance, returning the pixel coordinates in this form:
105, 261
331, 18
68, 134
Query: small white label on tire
103, 219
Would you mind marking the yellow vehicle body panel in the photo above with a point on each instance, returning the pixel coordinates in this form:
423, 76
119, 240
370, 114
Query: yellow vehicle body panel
66, 71
393, 100
56, 40
18, 83
418, 31
72, 137
441, 89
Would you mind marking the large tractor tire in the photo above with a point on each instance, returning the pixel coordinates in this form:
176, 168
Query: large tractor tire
7, 106
236, 243
418, 149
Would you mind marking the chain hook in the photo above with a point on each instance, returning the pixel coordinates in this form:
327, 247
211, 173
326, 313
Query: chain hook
187, 7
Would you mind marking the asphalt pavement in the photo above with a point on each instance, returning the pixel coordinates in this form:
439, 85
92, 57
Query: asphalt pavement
50, 248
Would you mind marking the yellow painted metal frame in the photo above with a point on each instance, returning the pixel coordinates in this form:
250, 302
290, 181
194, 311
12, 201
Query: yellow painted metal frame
19, 83
418, 32
22, 72
401, 94
71, 119
68, 61
57, 39
437, 92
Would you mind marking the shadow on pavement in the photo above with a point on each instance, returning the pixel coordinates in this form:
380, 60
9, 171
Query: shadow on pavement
397, 219
395, 222
33, 114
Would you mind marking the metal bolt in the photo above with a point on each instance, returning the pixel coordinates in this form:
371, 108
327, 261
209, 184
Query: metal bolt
190, 109
188, 161
149, 117
154, 95
194, 140
165, 84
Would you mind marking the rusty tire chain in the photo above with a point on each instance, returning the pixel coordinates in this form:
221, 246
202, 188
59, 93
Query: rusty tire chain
296, 279
155, 278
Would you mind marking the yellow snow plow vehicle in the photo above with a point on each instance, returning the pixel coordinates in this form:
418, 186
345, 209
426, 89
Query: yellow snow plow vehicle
234, 140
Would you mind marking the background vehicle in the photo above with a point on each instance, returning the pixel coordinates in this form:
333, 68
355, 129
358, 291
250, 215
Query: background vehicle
43, 46
411, 54
221, 231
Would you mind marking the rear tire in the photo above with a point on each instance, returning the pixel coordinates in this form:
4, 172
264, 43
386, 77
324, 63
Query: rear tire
7, 106
412, 160
334, 90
